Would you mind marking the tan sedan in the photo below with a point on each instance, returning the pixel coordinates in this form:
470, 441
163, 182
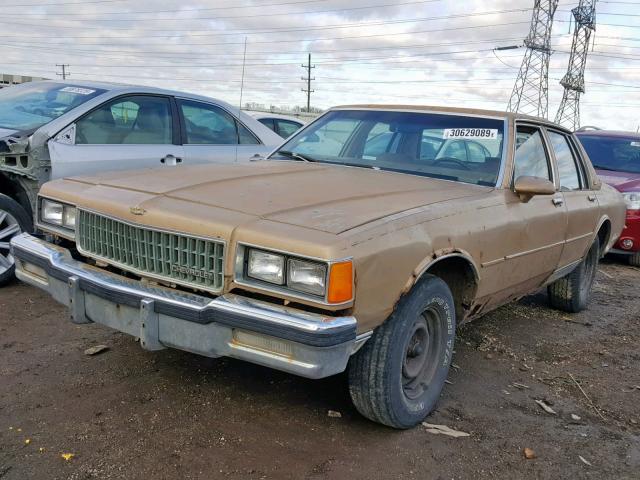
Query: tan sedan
360, 244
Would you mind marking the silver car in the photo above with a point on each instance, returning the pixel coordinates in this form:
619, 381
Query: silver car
56, 129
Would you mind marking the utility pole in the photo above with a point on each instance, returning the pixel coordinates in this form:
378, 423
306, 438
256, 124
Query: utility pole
64, 73
573, 82
531, 91
308, 68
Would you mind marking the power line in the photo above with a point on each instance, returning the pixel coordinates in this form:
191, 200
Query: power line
84, 14
300, 29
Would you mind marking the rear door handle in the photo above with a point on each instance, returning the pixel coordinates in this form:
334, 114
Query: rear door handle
557, 201
170, 160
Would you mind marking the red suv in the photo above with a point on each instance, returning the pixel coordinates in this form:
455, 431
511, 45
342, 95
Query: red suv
616, 157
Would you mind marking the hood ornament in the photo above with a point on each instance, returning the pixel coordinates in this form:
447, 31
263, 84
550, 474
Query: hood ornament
137, 210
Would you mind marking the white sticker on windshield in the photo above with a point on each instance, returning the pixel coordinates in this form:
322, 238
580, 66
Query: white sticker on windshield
489, 133
78, 90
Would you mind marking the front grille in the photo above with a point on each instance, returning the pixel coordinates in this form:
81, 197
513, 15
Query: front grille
177, 258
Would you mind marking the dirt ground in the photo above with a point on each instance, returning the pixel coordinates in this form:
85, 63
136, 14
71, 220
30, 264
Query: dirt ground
132, 414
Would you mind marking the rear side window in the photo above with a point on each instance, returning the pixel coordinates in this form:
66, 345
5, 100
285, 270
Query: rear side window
286, 128
211, 125
268, 122
531, 157
137, 119
568, 172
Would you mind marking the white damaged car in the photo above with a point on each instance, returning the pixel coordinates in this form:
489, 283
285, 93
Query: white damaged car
55, 129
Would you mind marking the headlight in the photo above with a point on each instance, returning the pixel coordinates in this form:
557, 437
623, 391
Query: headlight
268, 267
307, 277
56, 213
632, 199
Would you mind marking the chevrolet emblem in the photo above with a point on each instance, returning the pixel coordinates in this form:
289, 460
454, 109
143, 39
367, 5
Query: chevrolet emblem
137, 210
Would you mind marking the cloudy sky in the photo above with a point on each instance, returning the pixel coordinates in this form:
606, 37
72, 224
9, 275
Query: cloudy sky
436, 52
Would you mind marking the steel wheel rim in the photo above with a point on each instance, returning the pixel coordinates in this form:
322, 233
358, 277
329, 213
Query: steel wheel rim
9, 228
421, 354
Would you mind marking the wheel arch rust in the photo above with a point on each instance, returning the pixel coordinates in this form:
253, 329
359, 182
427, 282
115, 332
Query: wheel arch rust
458, 270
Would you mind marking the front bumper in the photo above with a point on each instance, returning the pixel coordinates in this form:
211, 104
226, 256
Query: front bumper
295, 341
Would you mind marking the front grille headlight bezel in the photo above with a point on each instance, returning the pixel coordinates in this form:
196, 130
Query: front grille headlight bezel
57, 216
317, 287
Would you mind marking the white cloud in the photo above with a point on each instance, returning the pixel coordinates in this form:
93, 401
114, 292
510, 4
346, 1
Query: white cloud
446, 61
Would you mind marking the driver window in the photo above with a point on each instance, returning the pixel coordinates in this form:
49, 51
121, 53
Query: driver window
531, 157
129, 120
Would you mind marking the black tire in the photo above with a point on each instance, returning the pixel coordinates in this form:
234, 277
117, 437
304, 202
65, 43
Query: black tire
397, 376
571, 293
12, 217
634, 260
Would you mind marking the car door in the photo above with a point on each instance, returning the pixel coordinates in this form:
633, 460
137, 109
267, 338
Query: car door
536, 228
212, 134
579, 197
128, 132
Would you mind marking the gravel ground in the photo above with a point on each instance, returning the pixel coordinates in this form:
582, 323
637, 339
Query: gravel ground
131, 414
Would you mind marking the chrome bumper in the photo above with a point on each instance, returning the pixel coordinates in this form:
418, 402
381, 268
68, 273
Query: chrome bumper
306, 344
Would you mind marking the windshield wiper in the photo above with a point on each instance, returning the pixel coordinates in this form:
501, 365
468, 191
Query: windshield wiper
295, 156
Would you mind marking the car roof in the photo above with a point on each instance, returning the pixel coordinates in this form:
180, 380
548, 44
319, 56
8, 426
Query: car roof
609, 133
457, 110
129, 88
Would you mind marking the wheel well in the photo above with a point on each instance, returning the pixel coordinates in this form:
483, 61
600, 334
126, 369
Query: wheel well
604, 233
15, 191
460, 275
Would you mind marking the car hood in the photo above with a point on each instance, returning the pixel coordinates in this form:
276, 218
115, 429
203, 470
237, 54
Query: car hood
621, 181
321, 197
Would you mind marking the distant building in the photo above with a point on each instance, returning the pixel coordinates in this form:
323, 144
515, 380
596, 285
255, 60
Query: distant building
7, 80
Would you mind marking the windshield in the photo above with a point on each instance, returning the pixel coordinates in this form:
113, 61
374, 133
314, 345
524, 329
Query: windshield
451, 147
613, 153
32, 106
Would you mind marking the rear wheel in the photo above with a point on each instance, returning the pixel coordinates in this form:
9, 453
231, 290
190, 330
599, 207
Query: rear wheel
397, 376
13, 220
571, 293
634, 260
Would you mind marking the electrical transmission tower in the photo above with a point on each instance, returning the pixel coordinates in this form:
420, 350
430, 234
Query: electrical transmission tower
573, 82
308, 79
531, 91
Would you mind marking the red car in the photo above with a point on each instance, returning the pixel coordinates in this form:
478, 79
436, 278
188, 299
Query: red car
616, 157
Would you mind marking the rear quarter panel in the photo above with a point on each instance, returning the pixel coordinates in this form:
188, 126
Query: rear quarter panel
612, 207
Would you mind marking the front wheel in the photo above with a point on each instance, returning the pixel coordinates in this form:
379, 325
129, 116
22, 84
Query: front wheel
571, 293
13, 220
634, 260
396, 378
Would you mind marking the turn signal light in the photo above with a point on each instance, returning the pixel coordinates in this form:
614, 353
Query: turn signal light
340, 282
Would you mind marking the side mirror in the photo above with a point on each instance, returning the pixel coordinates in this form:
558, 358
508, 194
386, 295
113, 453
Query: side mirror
528, 187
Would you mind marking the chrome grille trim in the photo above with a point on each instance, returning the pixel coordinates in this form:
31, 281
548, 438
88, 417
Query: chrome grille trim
178, 258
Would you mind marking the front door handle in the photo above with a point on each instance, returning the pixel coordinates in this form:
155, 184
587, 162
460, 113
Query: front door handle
170, 160
591, 198
557, 201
